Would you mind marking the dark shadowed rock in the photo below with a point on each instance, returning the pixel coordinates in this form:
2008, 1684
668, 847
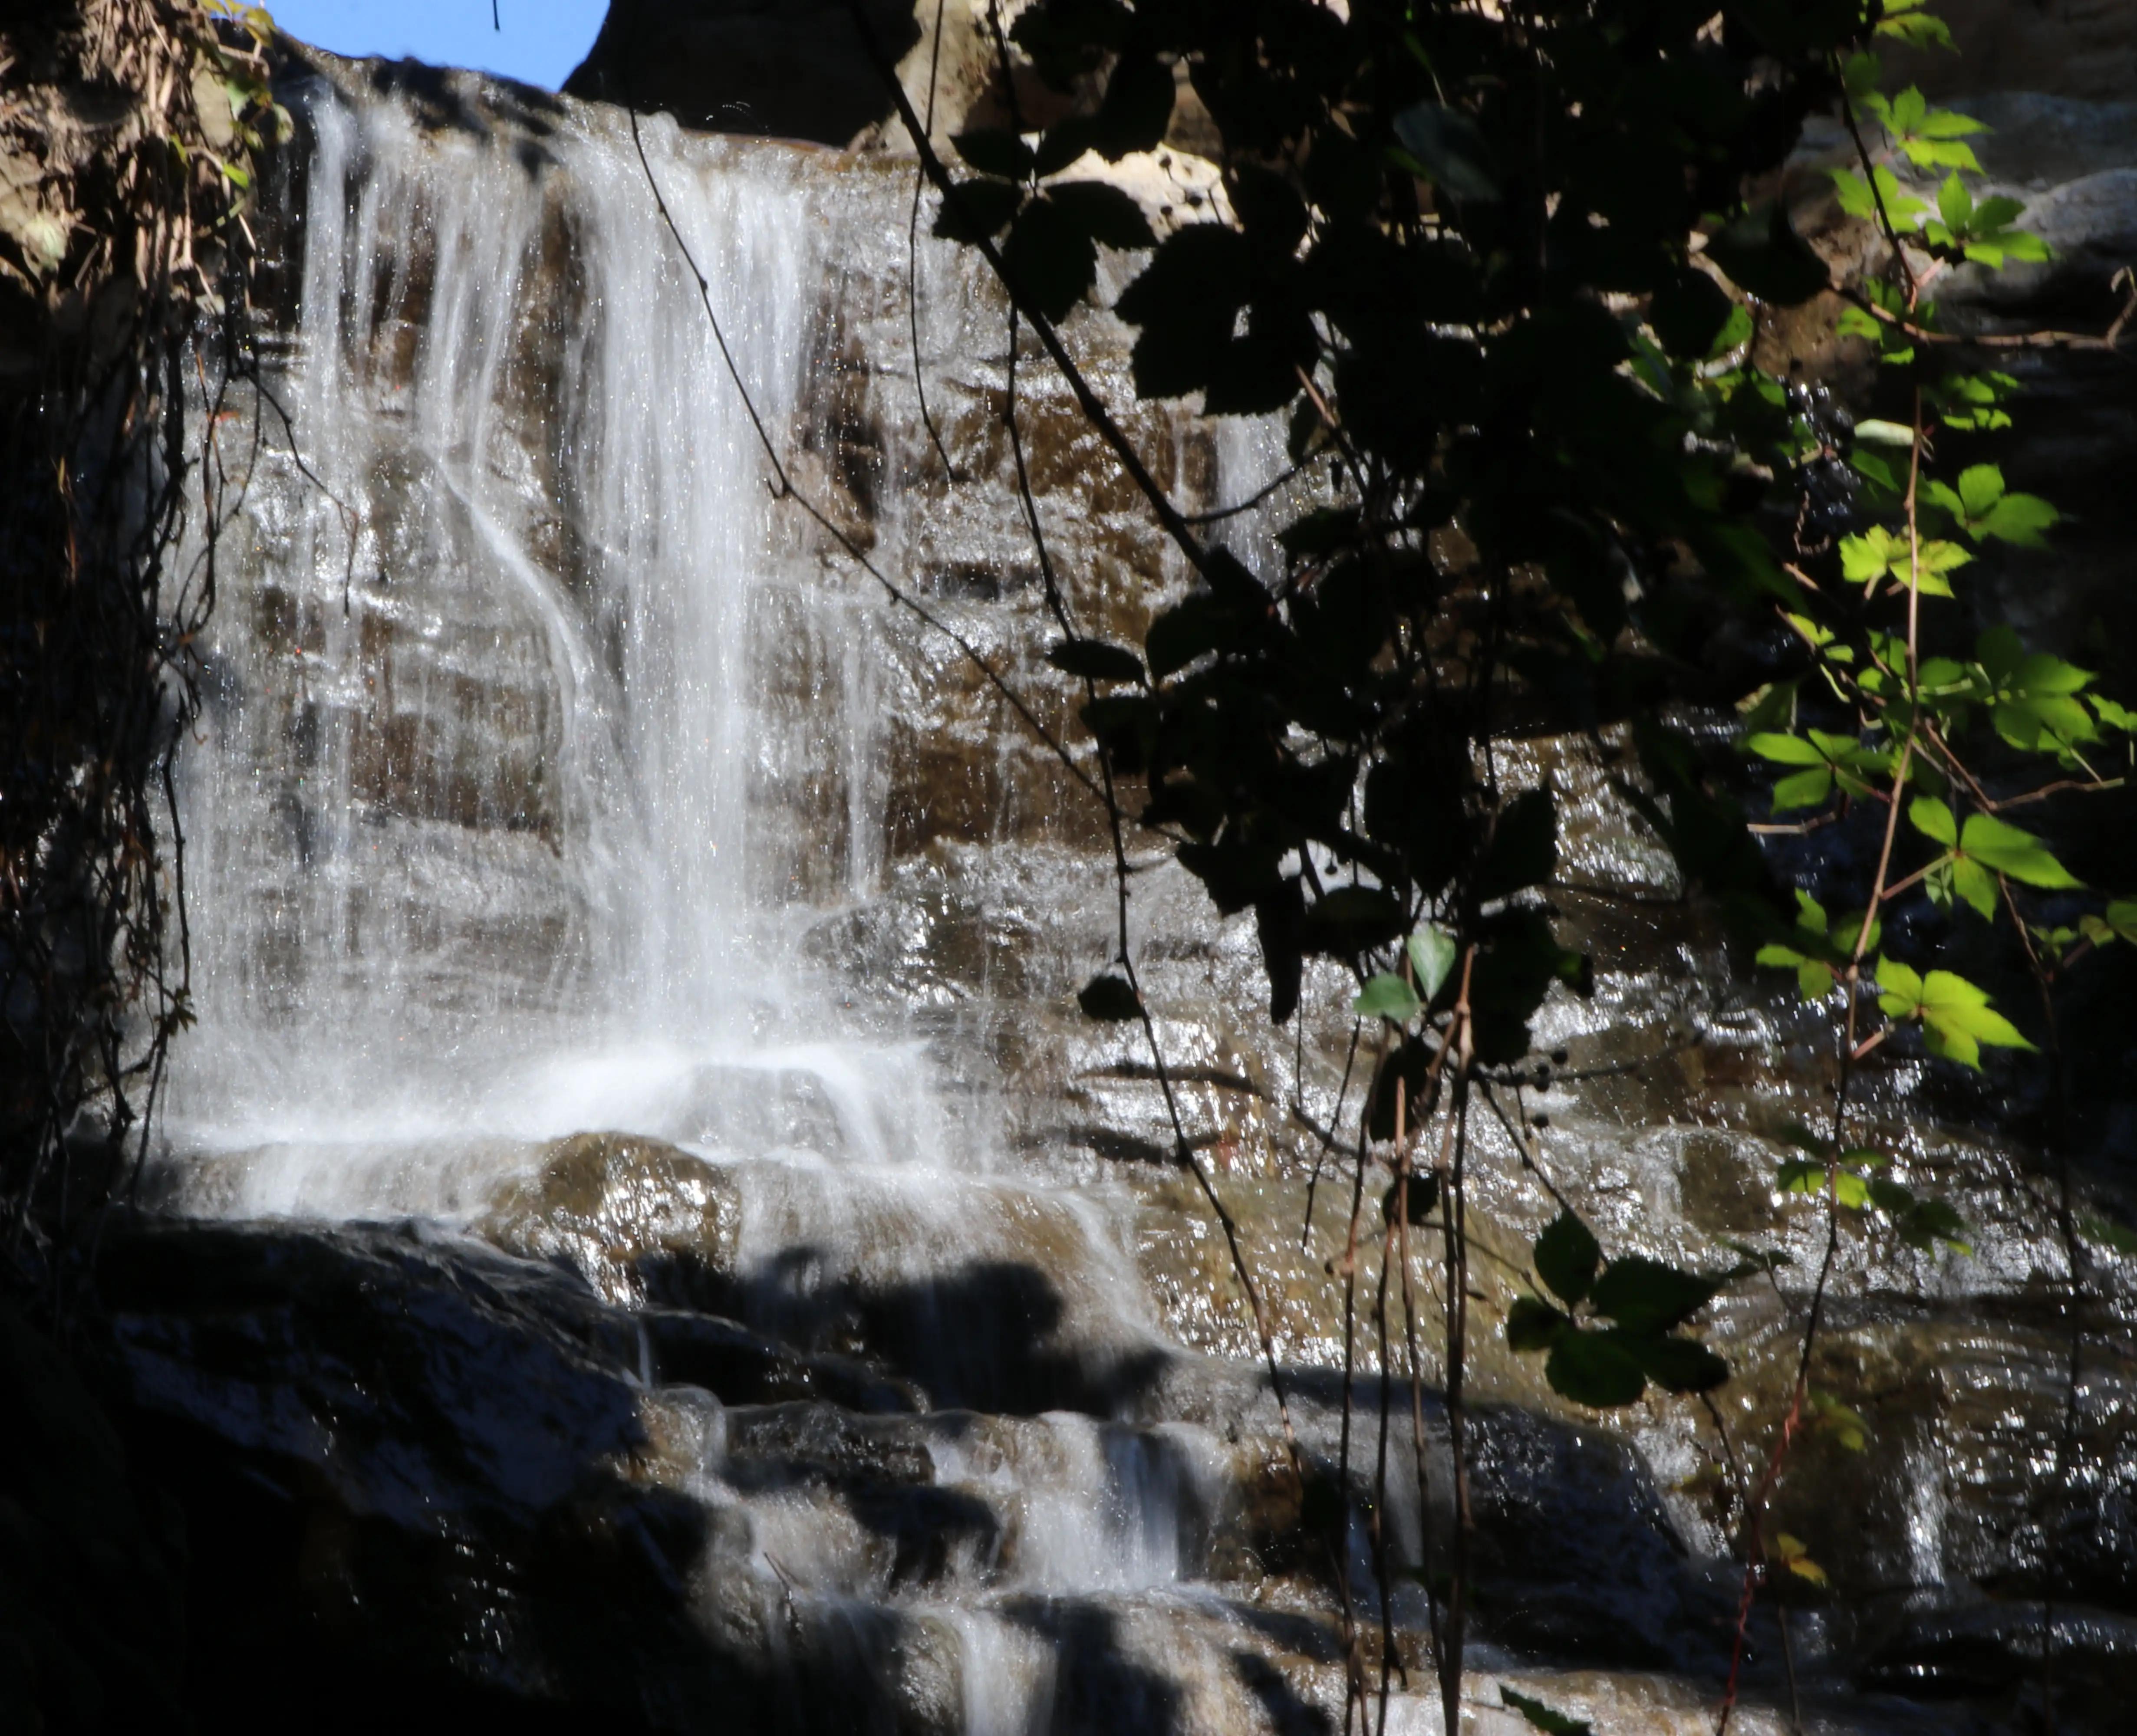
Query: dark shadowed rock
790, 69
406, 1463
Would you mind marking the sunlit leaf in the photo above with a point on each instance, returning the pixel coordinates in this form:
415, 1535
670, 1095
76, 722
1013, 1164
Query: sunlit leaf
1832, 1419
1884, 434
1791, 1555
1387, 997
2007, 850
1432, 954
1933, 820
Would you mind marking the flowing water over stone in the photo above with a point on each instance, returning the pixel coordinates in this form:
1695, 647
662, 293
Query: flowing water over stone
585, 862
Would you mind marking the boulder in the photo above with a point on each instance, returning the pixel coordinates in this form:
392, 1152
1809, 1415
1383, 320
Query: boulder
412, 1475
792, 69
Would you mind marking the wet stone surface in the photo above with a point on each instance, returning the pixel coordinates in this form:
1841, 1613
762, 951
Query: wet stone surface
837, 1347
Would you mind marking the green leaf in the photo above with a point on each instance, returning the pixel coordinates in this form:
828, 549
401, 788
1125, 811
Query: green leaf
995, 151
1830, 1416
1677, 1365
1784, 749
1901, 990
1803, 789
1566, 1255
1774, 704
1647, 1296
1534, 1326
1815, 979
1976, 886
1523, 848
2031, 694
1541, 1717
1095, 660
1933, 820
1736, 331
1049, 257
1103, 212
1948, 123
1985, 510
1860, 198
1387, 997
1110, 998
1420, 1198
2007, 850
1448, 147
1868, 557
2119, 923
2114, 715
1957, 1020
1432, 954
1595, 1369
1791, 1555
2018, 519
975, 211
1904, 21
1884, 434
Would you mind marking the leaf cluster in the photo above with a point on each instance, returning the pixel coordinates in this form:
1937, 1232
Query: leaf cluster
1613, 1327
1502, 275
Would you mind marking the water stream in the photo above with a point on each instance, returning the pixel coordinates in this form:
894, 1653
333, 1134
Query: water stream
555, 779
536, 741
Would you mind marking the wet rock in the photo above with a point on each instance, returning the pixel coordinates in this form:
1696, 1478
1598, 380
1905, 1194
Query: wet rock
416, 1372
799, 69
2082, 48
634, 1216
404, 1459
1577, 1558
745, 1366
92, 1632
2012, 1654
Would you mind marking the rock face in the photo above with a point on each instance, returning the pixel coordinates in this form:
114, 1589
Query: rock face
412, 1466
803, 69
880, 1371
2086, 49
786, 68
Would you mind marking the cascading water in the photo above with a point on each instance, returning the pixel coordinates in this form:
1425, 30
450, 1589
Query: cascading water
538, 744
512, 832
583, 858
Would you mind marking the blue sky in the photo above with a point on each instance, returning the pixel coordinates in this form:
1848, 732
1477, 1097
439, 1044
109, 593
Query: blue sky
536, 41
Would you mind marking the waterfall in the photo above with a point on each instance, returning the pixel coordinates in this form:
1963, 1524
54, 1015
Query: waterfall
555, 779
509, 818
585, 861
